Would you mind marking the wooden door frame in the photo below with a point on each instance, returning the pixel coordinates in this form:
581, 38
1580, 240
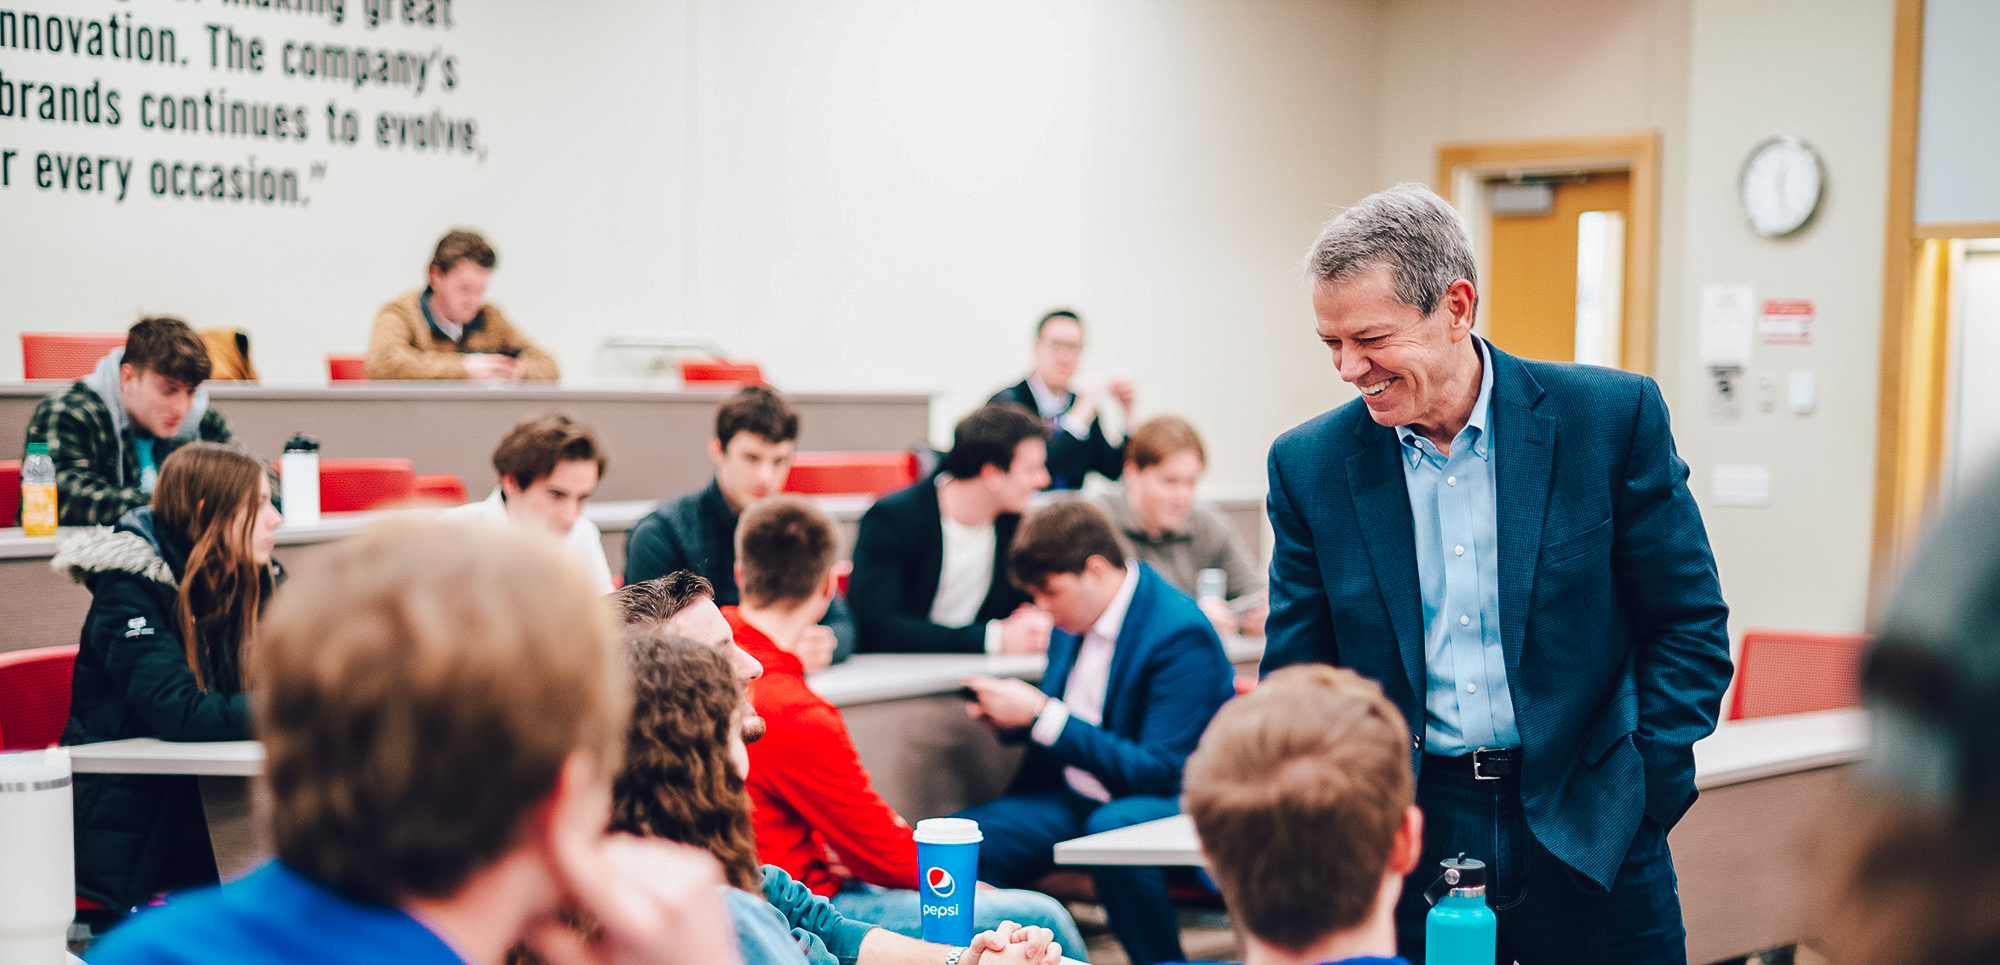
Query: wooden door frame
1461, 167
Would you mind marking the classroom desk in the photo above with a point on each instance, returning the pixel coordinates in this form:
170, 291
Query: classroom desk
222, 769
1767, 785
43, 608
657, 439
927, 757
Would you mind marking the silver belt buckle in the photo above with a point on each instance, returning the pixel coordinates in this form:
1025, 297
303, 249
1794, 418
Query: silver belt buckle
1478, 770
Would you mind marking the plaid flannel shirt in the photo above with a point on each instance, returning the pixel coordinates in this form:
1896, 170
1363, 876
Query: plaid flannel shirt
77, 426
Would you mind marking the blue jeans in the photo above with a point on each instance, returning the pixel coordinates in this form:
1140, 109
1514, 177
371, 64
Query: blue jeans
1021, 831
1550, 914
895, 909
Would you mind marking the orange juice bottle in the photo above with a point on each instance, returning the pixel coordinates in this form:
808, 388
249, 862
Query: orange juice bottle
38, 492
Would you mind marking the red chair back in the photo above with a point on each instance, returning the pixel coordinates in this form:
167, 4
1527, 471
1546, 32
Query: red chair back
1794, 671
34, 696
64, 355
354, 485
442, 487
347, 368
10, 492
719, 373
873, 473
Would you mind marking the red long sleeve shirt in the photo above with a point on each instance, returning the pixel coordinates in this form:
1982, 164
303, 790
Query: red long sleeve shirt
809, 789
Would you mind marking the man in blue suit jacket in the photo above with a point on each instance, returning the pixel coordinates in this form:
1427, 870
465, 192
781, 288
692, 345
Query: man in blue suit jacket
1135, 672
1510, 548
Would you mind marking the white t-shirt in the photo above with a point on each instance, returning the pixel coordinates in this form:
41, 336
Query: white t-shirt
967, 573
584, 541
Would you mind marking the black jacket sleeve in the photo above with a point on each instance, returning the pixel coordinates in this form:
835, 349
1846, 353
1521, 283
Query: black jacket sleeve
142, 654
651, 550
880, 591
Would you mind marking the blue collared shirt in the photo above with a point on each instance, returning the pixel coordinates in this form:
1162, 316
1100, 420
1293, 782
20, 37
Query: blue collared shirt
1453, 502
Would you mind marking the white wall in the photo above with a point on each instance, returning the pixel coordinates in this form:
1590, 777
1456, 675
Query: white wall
860, 194
890, 193
1715, 77
582, 124
1820, 69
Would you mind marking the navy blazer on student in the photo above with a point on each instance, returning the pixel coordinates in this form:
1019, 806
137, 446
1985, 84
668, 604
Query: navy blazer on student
898, 559
1168, 677
1070, 458
1612, 622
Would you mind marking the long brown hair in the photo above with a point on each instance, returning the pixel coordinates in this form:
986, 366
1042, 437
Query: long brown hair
677, 782
202, 487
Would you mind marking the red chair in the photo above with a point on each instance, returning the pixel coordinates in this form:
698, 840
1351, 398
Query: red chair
64, 355
347, 368
10, 492
442, 487
34, 696
719, 373
1794, 672
354, 485
873, 473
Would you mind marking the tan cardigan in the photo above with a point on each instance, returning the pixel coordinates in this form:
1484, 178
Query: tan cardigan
404, 346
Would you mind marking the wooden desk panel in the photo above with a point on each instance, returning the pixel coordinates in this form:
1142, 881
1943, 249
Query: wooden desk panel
1739, 853
657, 440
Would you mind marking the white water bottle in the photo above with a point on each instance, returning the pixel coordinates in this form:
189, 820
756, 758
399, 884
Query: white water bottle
38, 889
299, 471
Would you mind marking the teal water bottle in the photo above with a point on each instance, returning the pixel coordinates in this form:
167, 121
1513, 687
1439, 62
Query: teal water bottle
1461, 930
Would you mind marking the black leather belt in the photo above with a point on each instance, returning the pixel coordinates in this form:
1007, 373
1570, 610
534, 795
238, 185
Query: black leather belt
1484, 764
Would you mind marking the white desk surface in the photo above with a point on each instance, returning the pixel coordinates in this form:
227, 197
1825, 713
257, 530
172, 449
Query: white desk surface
149, 755
1738, 751
1745, 750
864, 679
610, 515
870, 678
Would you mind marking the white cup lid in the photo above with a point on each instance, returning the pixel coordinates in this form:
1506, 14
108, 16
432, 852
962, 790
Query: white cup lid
34, 770
948, 831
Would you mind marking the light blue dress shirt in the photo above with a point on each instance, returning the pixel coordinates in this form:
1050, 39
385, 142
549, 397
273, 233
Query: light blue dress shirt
1452, 499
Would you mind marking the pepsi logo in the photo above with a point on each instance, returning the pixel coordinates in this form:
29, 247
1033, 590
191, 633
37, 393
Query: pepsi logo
940, 882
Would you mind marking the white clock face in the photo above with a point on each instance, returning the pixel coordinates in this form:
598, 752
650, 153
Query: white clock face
1781, 186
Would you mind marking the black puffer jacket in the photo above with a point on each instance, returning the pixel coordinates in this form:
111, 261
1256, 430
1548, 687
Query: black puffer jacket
139, 834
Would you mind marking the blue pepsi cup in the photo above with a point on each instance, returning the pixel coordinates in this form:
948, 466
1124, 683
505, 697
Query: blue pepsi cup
947, 877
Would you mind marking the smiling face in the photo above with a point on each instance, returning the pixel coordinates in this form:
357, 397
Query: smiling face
555, 500
1162, 494
1023, 479
153, 401
456, 295
702, 621
1412, 369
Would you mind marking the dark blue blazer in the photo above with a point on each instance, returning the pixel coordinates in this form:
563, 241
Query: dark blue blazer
1070, 458
1611, 618
1168, 677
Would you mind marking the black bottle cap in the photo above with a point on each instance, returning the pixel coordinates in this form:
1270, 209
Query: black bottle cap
1464, 872
300, 442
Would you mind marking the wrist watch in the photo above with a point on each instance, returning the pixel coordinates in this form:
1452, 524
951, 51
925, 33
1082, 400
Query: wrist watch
952, 957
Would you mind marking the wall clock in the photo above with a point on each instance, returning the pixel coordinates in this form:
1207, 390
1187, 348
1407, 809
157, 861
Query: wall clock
1781, 186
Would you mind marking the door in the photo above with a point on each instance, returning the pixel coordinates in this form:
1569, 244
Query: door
1556, 285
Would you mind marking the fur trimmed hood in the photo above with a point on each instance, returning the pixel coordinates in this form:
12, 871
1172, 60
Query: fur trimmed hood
102, 549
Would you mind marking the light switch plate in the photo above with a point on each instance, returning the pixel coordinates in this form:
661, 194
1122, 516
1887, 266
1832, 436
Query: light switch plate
1802, 393
1740, 485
